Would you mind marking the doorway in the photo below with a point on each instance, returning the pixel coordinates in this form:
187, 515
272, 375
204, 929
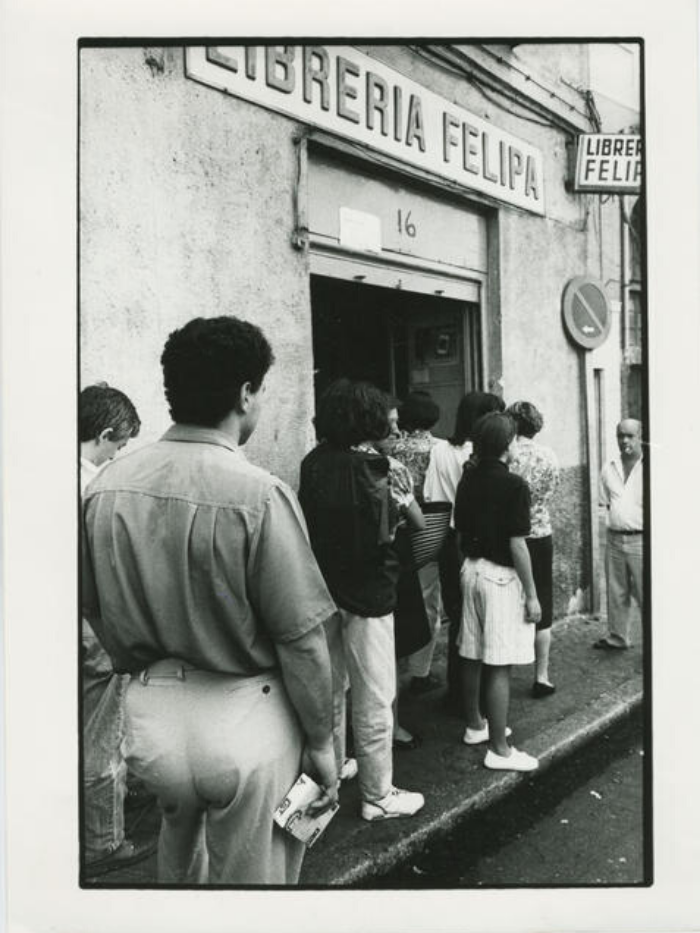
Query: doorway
398, 340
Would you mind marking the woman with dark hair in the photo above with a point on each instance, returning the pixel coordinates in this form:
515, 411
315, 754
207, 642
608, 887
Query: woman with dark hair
539, 467
444, 472
492, 516
353, 499
418, 414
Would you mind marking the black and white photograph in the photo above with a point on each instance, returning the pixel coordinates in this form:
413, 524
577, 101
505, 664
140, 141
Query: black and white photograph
392, 299
367, 590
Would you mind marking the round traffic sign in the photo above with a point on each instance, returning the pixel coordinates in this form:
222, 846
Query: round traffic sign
586, 312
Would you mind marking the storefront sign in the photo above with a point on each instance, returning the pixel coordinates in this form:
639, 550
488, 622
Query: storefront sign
608, 163
586, 312
341, 90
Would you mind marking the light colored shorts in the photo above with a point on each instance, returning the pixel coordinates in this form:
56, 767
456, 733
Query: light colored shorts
493, 627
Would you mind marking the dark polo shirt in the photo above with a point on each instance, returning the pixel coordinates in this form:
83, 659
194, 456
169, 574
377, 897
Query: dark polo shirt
346, 500
492, 506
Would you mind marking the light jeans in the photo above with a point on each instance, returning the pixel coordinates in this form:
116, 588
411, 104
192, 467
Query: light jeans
362, 653
624, 566
104, 768
419, 663
220, 752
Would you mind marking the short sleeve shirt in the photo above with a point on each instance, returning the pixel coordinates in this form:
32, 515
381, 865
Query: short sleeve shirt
413, 449
623, 497
444, 471
493, 506
189, 551
539, 467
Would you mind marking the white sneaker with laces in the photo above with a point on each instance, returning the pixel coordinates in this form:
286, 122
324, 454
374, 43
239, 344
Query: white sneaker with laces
349, 769
477, 736
516, 761
396, 803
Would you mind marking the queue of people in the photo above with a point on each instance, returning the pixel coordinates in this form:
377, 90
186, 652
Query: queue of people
243, 629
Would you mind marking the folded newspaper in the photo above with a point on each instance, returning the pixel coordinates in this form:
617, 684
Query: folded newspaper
291, 813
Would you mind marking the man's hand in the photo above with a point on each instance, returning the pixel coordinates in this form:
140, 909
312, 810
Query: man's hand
319, 763
533, 610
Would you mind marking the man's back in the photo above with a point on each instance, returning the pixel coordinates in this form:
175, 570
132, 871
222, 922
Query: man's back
193, 567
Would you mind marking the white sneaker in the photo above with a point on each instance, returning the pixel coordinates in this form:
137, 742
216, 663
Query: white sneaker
396, 803
348, 770
477, 736
516, 761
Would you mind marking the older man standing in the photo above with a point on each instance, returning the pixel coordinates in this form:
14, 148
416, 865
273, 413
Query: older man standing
200, 582
622, 491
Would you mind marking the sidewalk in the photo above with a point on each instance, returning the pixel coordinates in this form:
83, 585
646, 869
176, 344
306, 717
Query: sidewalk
594, 689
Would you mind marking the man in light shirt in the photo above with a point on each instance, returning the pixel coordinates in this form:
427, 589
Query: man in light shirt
622, 491
107, 421
199, 579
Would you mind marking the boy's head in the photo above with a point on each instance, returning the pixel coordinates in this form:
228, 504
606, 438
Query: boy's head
107, 419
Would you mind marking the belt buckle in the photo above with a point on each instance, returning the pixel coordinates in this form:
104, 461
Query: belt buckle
177, 674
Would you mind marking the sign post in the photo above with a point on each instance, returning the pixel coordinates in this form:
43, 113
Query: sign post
587, 319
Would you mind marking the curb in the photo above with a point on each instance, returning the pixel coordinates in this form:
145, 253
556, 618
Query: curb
558, 742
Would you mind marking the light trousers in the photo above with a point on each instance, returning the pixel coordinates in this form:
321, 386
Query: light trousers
220, 752
104, 768
362, 655
624, 568
419, 663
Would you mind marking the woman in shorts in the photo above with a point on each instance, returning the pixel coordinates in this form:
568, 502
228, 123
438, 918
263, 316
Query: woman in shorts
500, 605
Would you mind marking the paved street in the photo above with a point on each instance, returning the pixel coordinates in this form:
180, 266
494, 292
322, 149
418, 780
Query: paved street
595, 690
581, 825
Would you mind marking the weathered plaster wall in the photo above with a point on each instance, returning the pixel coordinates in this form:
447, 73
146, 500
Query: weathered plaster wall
186, 209
572, 541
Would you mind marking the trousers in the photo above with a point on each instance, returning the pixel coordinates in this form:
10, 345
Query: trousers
362, 654
624, 566
104, 768
220, 752
418, 664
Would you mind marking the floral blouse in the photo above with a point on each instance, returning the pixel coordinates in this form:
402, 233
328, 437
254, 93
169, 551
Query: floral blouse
413, 450
539, 467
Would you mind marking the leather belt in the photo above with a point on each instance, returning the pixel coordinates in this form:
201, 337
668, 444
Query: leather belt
624, 531
167, 668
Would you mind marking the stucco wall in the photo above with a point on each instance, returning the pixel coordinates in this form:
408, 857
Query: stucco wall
186, 209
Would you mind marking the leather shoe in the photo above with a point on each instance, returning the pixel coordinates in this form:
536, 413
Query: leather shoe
128, 853
604, 645
540, 690
407, 745
420, 685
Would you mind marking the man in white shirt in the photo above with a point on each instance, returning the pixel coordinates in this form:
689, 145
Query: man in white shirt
622, 491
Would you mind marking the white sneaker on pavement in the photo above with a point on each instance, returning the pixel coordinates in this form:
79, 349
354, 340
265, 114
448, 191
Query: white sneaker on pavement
516, 761
477, 736
396, 803
349, 769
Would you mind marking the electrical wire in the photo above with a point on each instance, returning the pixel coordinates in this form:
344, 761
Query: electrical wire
521, 116
435, 57
528, 77
472, 79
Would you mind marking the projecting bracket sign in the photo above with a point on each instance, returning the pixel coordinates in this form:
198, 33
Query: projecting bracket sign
586, 312
607, 163
345, 92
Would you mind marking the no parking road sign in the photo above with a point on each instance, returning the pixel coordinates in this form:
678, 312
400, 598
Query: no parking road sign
586, 312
